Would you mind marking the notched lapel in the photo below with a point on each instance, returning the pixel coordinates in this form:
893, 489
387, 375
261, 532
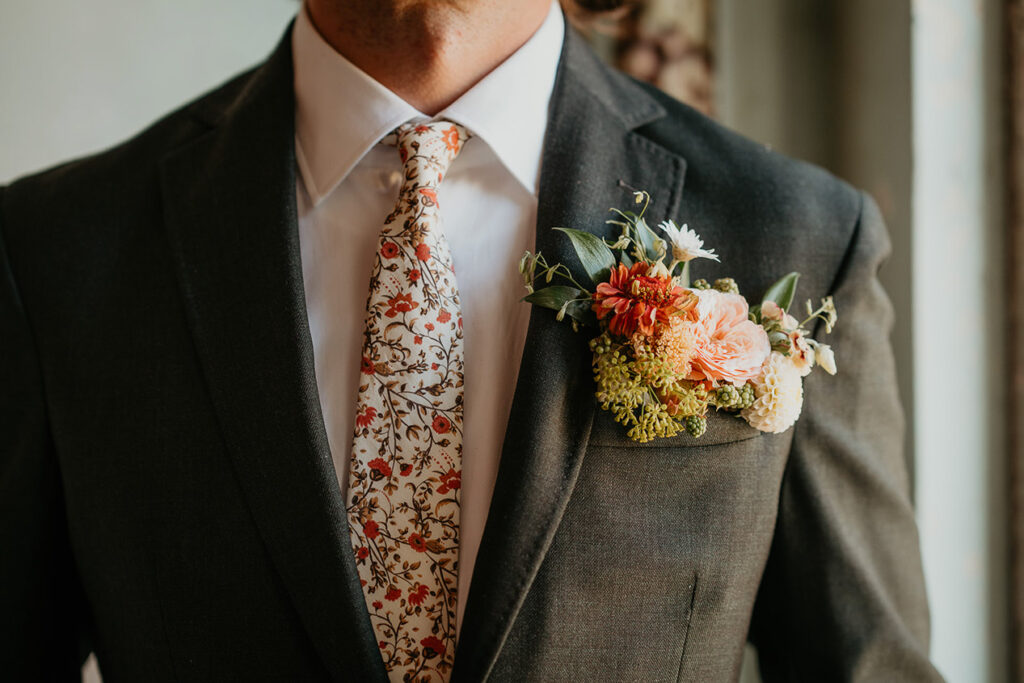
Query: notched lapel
590, 146
230, 210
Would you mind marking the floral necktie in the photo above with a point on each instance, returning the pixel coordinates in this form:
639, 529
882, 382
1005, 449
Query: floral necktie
405, 474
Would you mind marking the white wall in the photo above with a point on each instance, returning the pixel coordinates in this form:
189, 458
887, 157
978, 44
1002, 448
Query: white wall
76, 77
957, 313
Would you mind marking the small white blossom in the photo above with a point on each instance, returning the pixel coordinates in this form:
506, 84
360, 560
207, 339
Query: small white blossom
801, 353
828, 307
686, 245
622, 243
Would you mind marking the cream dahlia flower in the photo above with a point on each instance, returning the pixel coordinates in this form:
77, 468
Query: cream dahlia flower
779, 396
686, 245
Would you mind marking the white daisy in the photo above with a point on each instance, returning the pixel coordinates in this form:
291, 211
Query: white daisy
686, 245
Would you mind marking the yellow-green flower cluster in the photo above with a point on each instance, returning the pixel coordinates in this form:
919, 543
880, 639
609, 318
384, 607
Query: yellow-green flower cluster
643, 392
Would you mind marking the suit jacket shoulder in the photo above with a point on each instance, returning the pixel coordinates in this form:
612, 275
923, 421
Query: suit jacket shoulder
86, 218
110, 180
726, 162
801, 208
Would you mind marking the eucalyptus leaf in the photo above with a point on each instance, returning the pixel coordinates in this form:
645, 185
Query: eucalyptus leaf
783, 291
649, 239
576, 302
594, 254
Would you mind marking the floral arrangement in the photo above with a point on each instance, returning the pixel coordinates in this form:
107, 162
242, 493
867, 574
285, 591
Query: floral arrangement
667, 350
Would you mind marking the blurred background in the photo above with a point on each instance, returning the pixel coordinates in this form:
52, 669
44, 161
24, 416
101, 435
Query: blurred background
920, 102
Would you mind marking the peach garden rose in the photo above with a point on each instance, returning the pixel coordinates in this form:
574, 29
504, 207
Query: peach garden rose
731, 348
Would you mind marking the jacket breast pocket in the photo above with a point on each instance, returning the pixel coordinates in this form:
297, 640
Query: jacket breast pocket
655, 537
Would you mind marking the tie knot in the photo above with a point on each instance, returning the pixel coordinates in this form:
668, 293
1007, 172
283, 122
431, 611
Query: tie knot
427, 149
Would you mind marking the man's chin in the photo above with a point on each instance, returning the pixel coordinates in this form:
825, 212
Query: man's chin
600, 5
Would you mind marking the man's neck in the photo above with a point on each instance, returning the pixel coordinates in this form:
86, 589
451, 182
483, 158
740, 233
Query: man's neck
428, 52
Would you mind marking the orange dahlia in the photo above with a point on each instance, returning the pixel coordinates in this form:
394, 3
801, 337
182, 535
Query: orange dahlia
637, 300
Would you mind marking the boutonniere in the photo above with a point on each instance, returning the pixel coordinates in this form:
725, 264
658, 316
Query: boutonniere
667, 350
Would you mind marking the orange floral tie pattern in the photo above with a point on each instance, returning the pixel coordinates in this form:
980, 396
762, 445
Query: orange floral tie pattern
406, 470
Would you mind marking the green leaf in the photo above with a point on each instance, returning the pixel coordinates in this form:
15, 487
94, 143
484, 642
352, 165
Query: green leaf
555, 296
575, 301
783, 291
594, 254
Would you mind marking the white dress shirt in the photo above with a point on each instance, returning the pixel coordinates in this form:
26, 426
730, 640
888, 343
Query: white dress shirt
348, 182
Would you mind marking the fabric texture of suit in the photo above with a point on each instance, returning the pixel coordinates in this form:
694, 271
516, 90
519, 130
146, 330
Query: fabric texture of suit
167, 497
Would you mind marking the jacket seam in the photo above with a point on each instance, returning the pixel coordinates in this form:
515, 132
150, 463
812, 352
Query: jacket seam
686, 633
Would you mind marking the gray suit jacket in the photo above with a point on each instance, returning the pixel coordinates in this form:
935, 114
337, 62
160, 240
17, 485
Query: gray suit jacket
167, 497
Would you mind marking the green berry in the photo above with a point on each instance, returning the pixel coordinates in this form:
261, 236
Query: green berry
700, 283
727, 396
696, 425
727, 285
746, 398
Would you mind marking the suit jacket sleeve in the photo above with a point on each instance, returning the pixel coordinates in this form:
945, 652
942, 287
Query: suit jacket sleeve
38, 598
842, 597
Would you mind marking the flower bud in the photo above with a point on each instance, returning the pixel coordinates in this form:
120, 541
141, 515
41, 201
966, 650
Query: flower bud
825, 358
772, 311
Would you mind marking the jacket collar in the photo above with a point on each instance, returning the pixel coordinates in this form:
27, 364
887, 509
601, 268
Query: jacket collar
230, 213
341, 112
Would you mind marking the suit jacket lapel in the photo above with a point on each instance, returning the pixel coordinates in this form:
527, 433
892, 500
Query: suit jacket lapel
231, 218
592, 153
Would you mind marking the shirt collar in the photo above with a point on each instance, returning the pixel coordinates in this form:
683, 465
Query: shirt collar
341, 112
